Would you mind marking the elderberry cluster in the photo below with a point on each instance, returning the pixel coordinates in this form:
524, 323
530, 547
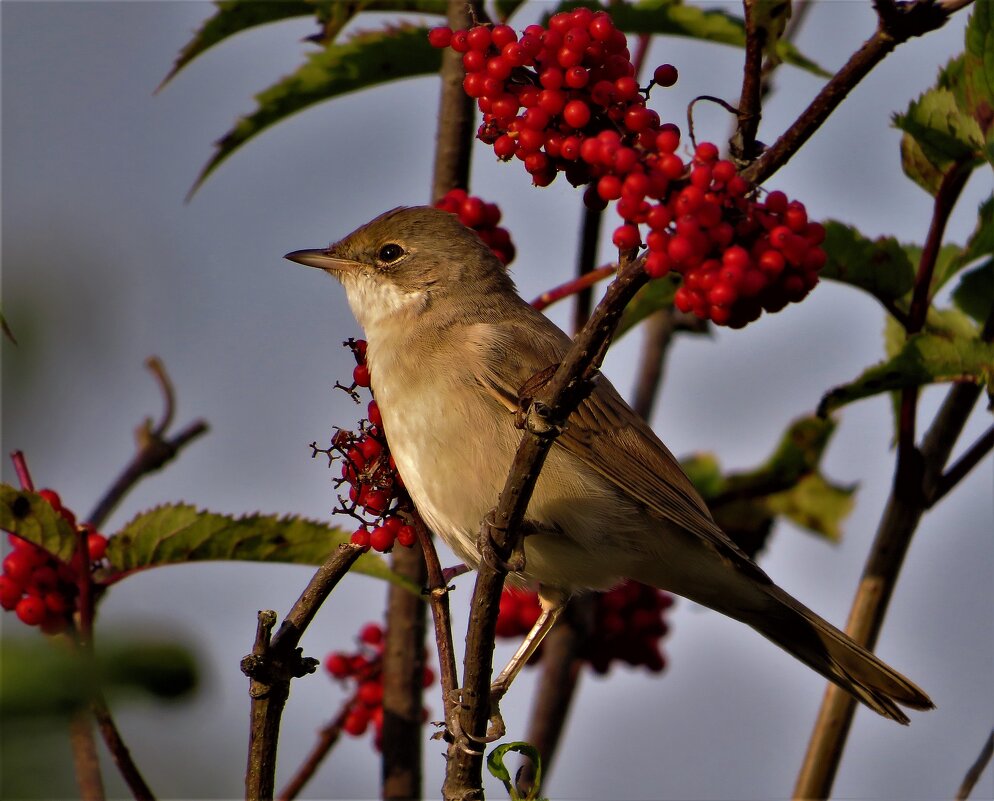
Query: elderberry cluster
370, 472
40, 589
628, 624
566, 99
365, 668
482, 217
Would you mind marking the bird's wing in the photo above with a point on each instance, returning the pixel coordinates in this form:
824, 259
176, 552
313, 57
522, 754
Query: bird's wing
608, 436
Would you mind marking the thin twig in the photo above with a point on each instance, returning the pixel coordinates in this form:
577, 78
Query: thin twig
916, 477
119, 750
155, 450
743, 142
977, 451
455, 111
897, 24
976, 769
438, 600
575, 286
590, 229
327, 738
275, 660
502, 528
86, 764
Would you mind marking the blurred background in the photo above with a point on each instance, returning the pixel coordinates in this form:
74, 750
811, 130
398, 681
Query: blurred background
104, 264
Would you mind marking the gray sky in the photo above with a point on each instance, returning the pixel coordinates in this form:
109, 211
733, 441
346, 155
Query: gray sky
103, 264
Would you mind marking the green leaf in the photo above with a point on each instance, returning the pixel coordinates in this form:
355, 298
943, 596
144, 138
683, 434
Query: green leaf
495, 764
32, 518
787, 484
978, 72
975, 293
652, 297
365, 60
770, 17
815, 504
235, 16
943, 133
880, 266
673, 18
981, 242
506, 8
38, 679
925, 358
180, 533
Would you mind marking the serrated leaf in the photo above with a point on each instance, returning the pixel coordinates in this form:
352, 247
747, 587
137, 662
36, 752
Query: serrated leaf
673, 18
180, 533
978, 71
981, 242
815, 504
32, 518
788, 483
917, 166
38, 679
655, 295
365, 60
975, 293
925, 358
943, 131
880, 266
232, 17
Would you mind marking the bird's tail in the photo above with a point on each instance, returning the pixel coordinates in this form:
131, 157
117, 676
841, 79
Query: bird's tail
835, 655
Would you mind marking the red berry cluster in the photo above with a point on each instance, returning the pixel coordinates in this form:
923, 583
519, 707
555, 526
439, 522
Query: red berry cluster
370, 471
365, 668
628, 624
565, 99
482, 217
738, 254
40, 589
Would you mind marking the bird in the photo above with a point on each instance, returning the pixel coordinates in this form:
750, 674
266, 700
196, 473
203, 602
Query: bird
450, 343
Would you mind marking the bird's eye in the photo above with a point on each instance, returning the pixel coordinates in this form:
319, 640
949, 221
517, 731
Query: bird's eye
390, 252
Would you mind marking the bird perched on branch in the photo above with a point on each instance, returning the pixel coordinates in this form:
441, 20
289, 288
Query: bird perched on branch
450, 344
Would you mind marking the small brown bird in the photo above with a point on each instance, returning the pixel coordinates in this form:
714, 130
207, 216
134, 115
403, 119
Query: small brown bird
450, 343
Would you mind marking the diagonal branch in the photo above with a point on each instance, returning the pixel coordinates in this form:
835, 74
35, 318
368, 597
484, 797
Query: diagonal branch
569, 385
897, 24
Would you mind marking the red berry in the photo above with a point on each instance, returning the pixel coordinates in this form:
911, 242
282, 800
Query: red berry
19, 565
665, 75
356, 722
503, 35
31, 610
459, 41
381, 538
373, 412
361, 375
52, 497
370, 693
338, 665
626, 237
10, 592
407, 536
440, 37
360, 537
576, 114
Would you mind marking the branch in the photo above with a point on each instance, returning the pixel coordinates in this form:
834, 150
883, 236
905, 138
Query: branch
976, 769
897, 24
945, 199
589, 236
963, 466
918, 483
579, 286
897, 526
86, 764
554, 403
327, 738
118, 750
743, 143
403, 679
275, 661
154, 449
455, 110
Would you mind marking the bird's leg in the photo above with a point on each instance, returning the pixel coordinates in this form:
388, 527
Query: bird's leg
552, 608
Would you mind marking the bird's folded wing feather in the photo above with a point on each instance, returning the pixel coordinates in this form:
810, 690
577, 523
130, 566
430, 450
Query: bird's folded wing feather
609, 437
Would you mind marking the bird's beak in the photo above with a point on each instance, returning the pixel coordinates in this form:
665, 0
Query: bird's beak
321, 259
